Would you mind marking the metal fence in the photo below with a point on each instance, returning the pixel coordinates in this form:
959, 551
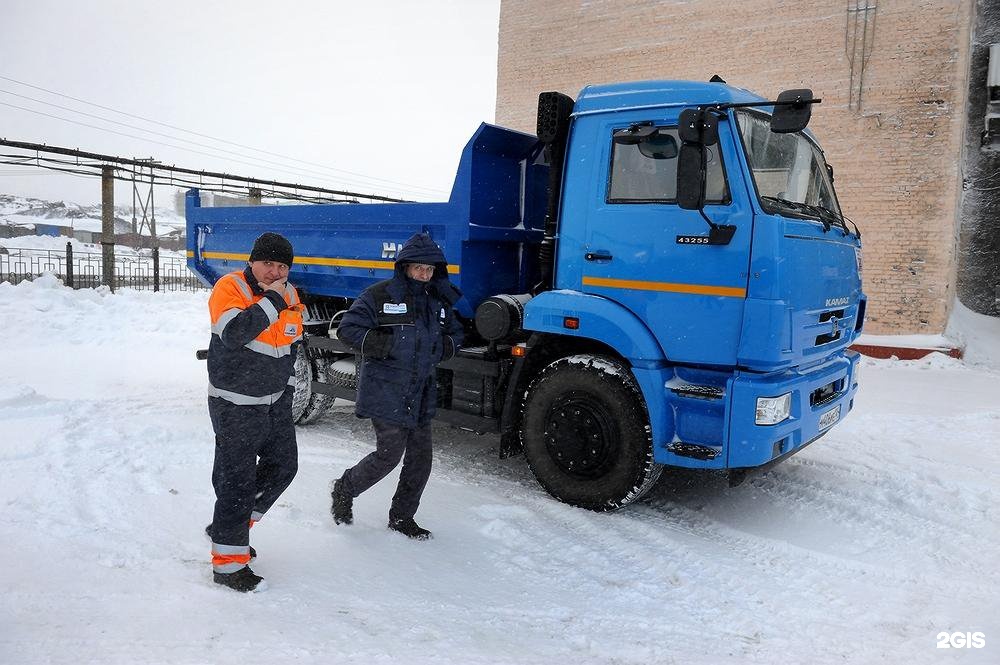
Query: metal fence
84, 270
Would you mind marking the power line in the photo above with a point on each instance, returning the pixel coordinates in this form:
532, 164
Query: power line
80, 170
132, 136
18, 173
292, 169
212, 138
287, 190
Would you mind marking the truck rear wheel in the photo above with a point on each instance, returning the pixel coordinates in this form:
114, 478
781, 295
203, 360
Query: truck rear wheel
308, 406
586, 434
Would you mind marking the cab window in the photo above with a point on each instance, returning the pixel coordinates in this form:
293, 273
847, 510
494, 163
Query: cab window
647, 172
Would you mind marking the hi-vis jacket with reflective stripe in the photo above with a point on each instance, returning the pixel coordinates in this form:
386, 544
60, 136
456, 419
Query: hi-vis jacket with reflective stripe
254, 338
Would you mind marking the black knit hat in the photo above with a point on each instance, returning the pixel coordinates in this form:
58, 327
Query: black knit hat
272, 247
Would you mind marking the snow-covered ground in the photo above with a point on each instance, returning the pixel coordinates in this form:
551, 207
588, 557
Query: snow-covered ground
861, 549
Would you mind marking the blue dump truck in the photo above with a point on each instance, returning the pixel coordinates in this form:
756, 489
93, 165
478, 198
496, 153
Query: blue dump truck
661, 277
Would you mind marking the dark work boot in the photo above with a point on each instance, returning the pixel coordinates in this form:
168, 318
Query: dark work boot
409, 528
342, 507
208, 532
243, 580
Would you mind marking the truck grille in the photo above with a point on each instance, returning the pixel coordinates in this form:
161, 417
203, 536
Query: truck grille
828, 326
827, 393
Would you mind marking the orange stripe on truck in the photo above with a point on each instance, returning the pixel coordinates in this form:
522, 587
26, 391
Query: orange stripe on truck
672, 287
318, 261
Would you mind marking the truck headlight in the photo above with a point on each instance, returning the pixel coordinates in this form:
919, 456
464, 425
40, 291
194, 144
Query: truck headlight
772, 410
857, 372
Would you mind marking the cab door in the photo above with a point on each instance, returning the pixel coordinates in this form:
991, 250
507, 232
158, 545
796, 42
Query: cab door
623, 236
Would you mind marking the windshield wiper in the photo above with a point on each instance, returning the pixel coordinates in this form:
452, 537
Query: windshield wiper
797, 206
837, 218
825, 215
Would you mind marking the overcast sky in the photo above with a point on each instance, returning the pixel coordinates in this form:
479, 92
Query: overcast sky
383, 91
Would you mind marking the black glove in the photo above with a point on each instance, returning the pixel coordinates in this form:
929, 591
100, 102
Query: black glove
445, 290
377, 343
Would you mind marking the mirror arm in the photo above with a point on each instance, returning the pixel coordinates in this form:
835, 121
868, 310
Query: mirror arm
718, 234
747, 105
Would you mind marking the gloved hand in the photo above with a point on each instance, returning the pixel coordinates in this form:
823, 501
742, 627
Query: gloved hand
445, 290
377, 344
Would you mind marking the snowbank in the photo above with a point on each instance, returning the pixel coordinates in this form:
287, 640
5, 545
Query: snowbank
979, 334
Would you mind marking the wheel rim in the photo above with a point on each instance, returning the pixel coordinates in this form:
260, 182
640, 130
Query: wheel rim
580, 437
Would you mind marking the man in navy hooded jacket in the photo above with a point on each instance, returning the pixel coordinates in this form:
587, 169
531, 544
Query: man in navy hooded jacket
403, 327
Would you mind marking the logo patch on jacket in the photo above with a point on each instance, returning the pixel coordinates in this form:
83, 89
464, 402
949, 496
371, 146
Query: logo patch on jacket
394, 308
290, 329
443, 315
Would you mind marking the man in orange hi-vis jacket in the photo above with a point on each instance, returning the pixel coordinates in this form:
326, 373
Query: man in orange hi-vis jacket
256, 329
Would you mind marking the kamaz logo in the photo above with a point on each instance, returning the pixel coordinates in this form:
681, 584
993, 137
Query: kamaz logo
837, 302
389, 249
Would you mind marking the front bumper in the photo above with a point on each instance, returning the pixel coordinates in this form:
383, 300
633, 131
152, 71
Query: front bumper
814, 410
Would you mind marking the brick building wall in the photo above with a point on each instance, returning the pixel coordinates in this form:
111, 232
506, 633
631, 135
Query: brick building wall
896, 153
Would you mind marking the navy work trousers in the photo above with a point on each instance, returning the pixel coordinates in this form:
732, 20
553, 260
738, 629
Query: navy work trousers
393, 442
244, 486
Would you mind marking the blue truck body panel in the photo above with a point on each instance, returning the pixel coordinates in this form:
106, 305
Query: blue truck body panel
343, 248
771, 312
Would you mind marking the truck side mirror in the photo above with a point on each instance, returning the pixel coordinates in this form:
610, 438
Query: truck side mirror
698, 126
792, 111
697, 129
691, 176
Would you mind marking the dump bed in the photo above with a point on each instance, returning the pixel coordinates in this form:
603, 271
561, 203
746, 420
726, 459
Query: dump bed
489, 229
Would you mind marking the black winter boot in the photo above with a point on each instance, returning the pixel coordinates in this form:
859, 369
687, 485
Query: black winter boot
409, 528
342, 507
243, 580
208, 532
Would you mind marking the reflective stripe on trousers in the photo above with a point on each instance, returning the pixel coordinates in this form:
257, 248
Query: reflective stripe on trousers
229, 558
245, 400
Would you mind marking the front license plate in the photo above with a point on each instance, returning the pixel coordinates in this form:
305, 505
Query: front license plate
830, 417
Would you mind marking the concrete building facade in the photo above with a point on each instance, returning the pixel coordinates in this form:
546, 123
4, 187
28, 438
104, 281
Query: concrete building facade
893, 76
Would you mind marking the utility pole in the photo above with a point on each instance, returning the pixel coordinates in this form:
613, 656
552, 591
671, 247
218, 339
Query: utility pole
145, 204
108, 225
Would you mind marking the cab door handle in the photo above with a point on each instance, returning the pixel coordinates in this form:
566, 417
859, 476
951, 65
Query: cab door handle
597, 256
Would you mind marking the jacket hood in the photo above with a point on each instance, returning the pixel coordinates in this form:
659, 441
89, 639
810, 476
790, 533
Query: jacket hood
422, 249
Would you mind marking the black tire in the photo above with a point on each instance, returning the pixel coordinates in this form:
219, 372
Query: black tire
586, 433
308, 406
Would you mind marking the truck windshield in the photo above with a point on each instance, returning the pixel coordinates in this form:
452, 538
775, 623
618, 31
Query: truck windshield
789, 170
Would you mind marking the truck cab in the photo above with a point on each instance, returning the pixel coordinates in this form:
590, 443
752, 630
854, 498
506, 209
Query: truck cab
712, 328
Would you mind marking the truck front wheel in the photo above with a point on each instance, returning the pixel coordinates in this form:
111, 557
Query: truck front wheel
586, 434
